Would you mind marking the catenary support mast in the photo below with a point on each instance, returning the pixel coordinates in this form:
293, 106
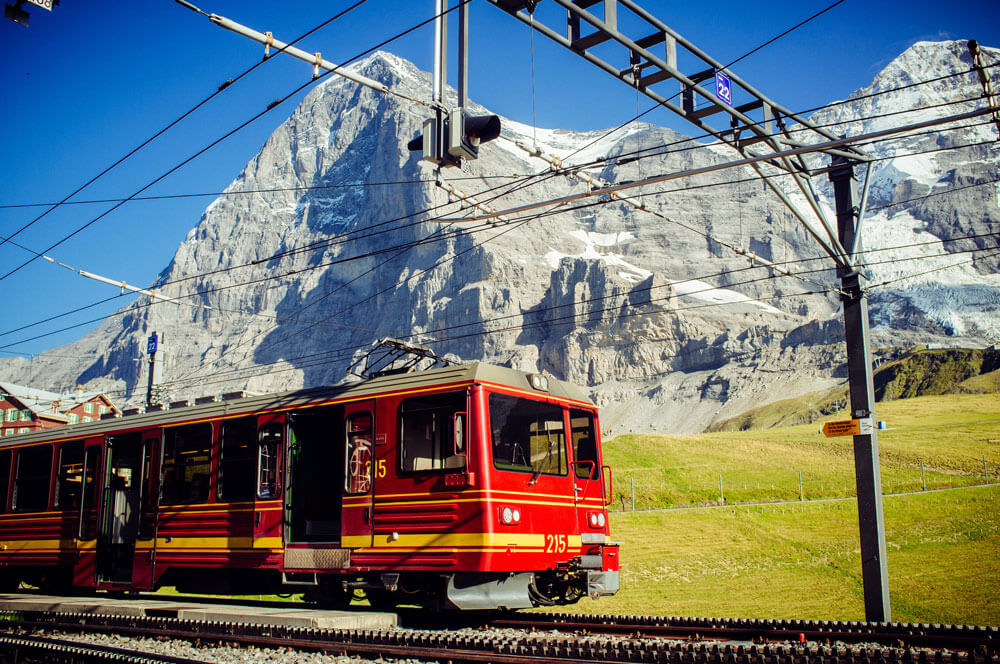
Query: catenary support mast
874, 572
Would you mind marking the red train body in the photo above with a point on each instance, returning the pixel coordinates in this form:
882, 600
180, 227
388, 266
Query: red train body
470, 487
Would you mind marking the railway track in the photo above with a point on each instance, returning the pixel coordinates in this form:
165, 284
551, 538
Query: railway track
964, 637
31, 649
555, 639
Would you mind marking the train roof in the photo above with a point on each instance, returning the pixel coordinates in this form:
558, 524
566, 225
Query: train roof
463, 374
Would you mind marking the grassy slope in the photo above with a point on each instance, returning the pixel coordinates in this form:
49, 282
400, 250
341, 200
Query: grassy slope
920, 373
948, 434
800, 560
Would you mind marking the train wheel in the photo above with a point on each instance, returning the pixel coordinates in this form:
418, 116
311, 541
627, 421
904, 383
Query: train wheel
9, 583
328, 596
382, 600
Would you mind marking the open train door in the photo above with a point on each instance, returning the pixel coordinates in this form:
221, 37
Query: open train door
356, 527
118, 528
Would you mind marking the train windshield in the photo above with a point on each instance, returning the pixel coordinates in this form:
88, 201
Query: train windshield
528, 436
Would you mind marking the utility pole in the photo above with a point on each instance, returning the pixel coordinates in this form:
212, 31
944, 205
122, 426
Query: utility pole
874, 572
156, 360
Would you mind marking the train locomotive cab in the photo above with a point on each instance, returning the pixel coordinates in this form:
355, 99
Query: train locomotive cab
470, 487
546, 509
493, 495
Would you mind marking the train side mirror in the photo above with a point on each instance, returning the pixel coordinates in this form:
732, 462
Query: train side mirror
458, 433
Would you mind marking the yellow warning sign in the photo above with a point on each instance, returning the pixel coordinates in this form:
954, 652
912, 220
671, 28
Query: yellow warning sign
842, 428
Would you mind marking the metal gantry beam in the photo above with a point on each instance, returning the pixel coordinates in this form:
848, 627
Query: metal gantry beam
648, 72
651, 72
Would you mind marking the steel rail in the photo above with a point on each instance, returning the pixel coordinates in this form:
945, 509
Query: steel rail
911, 634
22, 648
553, 647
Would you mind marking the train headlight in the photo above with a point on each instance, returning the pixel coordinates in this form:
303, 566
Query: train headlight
510, 516
539, 382
600, 520
597, 519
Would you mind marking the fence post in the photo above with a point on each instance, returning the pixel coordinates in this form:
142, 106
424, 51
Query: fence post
986, 474
801, 495
722, 496
923, 479
633, 493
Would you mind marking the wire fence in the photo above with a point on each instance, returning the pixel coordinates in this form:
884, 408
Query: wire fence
763, 484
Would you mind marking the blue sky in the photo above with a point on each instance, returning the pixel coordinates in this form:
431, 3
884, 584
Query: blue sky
89, 81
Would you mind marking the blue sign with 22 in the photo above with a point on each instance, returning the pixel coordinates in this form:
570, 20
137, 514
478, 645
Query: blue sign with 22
723, 88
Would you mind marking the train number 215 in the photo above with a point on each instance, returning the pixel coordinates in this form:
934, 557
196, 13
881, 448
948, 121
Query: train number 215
555, 544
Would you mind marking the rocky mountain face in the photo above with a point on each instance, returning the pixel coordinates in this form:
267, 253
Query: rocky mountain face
347, 239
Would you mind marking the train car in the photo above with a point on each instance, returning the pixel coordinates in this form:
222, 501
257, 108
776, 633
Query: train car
469, 487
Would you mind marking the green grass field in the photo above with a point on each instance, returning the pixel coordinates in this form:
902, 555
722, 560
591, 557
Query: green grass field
802, 559
950, 435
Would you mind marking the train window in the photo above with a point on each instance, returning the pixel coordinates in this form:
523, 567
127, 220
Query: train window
5, 457
528, 436
581, 426
359, 453
427, 432
69, 480
186, 464
32, 479
267, 460
236, 469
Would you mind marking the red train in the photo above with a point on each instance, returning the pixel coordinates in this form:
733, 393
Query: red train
468, 487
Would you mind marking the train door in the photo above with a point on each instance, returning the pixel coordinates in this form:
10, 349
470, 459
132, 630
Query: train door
267, 498
86, 534
588, 487
314, 454
357, 528
120, 510
149, 491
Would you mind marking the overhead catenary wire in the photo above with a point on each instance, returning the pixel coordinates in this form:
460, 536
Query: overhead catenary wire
714, 184
592, 312
656, 151
327, 357
627, 157
271, 277
169, 126
208, 291
743, 162
622, 159
315, 59
724, 272
211, 145
269, 190
369, 271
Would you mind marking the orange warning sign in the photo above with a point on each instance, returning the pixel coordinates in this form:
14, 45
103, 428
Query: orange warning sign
842, 428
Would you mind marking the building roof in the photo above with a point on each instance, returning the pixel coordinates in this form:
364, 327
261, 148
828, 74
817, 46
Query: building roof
40, 402
49, 404
77, 397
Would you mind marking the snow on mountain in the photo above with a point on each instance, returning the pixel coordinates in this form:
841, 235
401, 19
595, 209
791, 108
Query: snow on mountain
668, 328
929, 192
